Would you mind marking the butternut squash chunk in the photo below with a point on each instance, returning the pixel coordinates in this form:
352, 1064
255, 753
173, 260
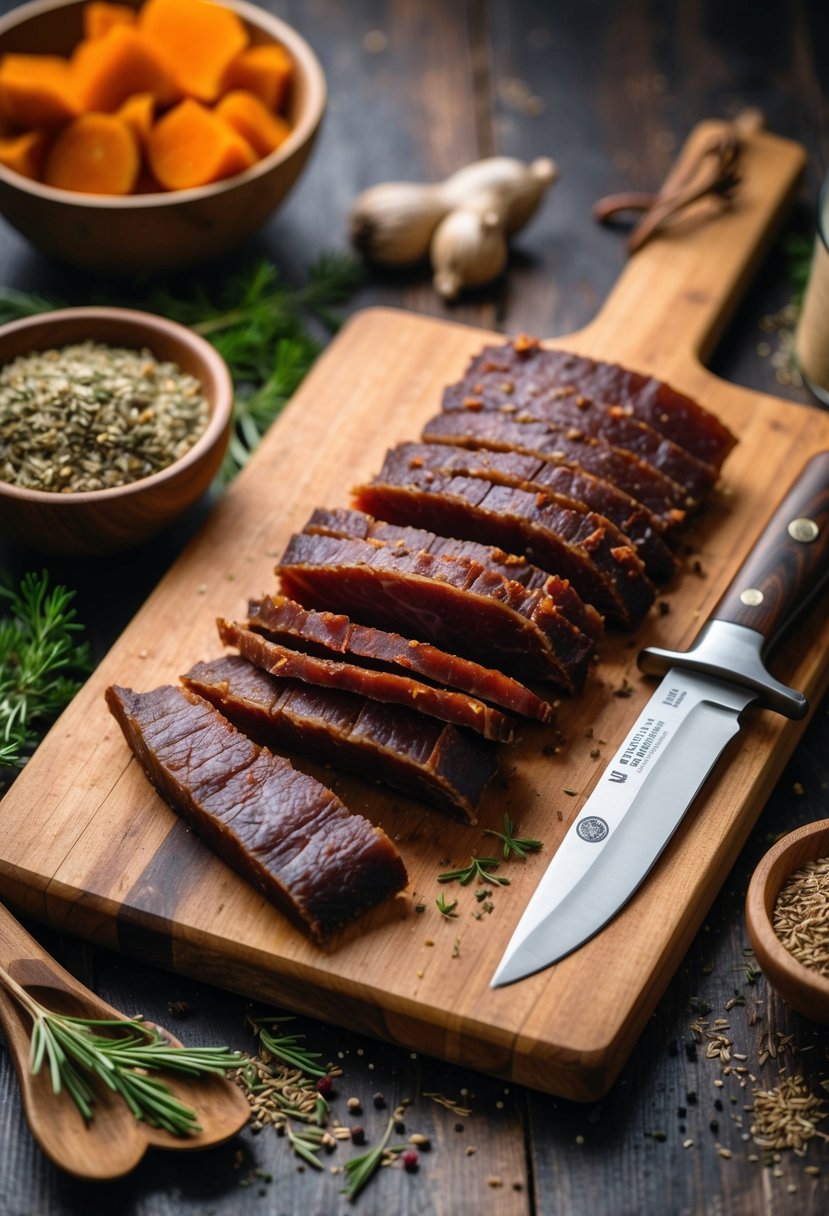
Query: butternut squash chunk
96, 154
138, 112
24, 153
196, 39
108, 70
191, 146
266, 71
263, 129
99, 17
37, 91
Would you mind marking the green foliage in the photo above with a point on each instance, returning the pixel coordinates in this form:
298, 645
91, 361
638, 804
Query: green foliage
41, 662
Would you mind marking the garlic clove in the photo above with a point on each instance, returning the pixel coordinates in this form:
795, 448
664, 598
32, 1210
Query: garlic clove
518, 187
392, 223
468, 249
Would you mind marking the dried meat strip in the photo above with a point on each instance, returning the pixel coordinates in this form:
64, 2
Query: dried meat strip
430, 760
569, 487
522, 370
499, 432
340, 521
280, 829
284, 620
442, 703
586, 548
454, 602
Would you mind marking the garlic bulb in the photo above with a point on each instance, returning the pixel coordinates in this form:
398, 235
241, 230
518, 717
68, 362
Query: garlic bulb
469, 247
518, 187
393, 223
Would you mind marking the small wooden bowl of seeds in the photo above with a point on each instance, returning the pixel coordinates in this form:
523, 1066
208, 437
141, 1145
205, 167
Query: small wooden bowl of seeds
112, 423
787, 911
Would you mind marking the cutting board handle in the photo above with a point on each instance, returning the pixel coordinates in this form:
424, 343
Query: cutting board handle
676, 294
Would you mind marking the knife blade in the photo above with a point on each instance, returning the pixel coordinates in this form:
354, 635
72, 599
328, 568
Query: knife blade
670, 750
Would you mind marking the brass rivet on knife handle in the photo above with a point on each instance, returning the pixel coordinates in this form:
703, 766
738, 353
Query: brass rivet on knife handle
789, 561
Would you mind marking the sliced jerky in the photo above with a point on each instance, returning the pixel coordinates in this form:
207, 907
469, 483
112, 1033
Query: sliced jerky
280, 829
340, 521
442, 703
454, 602
611, 423
586, 548
570, 487
431, 760
505, 432
284, 620
522, 370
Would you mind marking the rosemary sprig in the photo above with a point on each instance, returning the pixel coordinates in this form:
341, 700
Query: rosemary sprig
445, 909
480, 868
514, 846
78, 1056
360, 1170
286, 1047
40, 660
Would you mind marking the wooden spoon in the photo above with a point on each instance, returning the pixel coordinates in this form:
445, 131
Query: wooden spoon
114, 1142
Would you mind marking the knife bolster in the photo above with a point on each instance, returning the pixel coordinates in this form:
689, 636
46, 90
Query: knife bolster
734, 653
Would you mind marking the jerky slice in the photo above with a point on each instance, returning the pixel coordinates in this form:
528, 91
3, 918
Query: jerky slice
288, 664
340, 521
280, 829
505, 432
283, 620
430, 760
523, 369
569, 487
451, 601
584, 547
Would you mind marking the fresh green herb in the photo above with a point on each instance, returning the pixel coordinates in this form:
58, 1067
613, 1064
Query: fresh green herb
514, 846
360, 1170
286, 1047
479, 868
259, 324
797, 252
444, 908
306, 1143
40, 660
77, 1056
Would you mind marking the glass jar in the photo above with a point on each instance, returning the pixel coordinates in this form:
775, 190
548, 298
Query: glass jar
812, 338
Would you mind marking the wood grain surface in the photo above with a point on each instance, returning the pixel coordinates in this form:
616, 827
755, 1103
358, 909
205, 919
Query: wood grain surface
88, 845
610, 89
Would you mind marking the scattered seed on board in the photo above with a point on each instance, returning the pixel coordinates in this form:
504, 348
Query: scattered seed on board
91, 417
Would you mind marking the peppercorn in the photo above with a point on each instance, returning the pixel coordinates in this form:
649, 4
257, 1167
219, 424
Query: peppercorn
410, 1160
358, 1134
325, 1086
379, 1101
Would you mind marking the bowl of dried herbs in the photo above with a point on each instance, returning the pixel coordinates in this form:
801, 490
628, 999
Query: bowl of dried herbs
787, 912
112, 423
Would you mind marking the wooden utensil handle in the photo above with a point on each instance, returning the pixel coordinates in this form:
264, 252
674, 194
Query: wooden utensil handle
790, 560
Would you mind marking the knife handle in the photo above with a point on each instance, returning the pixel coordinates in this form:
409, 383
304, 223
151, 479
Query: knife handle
789, 560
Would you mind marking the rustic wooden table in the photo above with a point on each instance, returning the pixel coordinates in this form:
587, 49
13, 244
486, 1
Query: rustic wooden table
609, 90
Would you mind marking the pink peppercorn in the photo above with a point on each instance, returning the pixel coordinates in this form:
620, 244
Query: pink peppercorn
325, 1086
410, 1160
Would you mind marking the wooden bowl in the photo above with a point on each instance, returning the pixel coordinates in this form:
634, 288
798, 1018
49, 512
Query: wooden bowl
105, 521
162, 231
800, 986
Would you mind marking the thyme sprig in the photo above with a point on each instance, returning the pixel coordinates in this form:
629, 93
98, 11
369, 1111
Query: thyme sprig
78, 1056
480, 868
41, 660
513, 845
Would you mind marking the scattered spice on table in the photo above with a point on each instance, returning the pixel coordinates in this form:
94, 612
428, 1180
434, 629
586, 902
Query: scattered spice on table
90, 416
800, 917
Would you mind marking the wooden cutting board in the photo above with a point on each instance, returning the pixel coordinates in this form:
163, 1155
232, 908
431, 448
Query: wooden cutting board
88, 846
